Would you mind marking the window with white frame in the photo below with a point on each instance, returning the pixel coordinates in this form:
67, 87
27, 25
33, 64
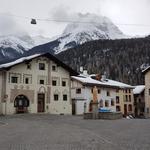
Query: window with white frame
14, 79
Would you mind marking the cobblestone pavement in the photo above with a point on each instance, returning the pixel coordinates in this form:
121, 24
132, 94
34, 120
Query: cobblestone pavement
54, 132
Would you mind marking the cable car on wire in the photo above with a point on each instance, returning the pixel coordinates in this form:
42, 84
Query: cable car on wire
33, 21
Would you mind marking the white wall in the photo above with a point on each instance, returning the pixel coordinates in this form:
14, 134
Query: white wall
86, 96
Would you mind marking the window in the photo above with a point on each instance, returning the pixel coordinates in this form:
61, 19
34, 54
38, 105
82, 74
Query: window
53, 67
54, 82
78, 91
41, 66
26, 80
117, 100
63, 83
56, 97
129, 98
20, 102
28, 66
41, 81
126, 91
117, 90
65, 97
126, 98
106, 103
101, 103
118, 108
130, 107
129, 91
92, 90
14, 79
112, 102
108, 93
99, 91
149, 91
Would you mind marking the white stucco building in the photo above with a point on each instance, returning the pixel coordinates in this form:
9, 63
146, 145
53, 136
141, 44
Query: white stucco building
111, 94
37, 83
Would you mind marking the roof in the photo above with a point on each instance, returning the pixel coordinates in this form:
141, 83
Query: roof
107, 83
29, 58
138, 89
146, 70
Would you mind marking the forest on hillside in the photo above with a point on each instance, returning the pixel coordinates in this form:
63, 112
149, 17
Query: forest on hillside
121, 60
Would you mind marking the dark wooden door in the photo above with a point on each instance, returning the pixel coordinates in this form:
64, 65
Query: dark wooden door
41, 102
125, 109
73, 107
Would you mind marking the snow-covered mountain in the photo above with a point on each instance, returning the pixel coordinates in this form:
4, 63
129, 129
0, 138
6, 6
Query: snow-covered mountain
88, 27
12, 46
85, 28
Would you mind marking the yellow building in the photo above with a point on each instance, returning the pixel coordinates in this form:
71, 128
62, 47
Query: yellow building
125, 101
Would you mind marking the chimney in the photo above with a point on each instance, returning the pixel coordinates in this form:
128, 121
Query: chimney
98, 77
85, 72
81, 69
103, 78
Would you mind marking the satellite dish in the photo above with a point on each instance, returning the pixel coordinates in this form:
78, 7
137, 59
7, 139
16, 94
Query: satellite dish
33, 21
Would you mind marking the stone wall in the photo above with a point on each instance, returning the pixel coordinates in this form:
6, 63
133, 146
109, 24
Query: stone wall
104, 115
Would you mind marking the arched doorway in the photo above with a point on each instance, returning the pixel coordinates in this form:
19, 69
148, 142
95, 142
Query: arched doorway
21, 104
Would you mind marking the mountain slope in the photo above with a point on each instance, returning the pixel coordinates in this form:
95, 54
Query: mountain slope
122, 60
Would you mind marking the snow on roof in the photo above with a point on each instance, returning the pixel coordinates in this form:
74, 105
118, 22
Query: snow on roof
20, 60
117, 83
138, 89
107, 82
146, 69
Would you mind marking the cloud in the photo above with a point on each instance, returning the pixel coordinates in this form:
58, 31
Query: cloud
65, 15
9, 26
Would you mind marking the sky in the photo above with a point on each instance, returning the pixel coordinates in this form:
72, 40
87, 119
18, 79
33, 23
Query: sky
131, 16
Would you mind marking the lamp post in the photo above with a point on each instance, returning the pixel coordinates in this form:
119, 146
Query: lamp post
5, 102
85, 107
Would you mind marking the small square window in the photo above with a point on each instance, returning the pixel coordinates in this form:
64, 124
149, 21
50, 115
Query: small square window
78, 91
65, 97
14, 79
63, 83
28, 66
53, 67
41, 66
54, 82
56, 97
41, 81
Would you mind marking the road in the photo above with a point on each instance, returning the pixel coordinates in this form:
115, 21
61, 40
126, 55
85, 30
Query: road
56, 132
